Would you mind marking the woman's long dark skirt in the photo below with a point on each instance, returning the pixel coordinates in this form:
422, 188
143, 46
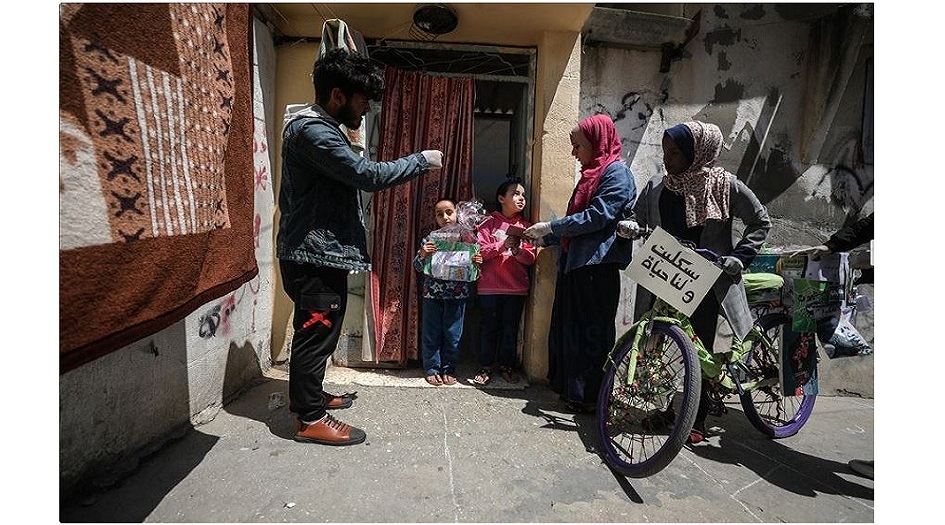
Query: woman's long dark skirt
582, 330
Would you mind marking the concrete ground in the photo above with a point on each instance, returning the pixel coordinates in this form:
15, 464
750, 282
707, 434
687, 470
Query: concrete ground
506, 453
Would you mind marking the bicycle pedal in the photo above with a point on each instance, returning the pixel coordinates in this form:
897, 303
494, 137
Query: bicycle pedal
718, 409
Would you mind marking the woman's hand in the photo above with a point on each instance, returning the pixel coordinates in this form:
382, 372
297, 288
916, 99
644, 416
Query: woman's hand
477, 258
538, 230
731, 265
628, 229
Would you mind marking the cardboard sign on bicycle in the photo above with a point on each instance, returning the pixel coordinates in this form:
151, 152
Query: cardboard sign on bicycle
672, 272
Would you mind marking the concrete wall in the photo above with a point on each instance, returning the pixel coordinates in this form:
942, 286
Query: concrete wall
116, 409
553, 176
294, 67
788, 95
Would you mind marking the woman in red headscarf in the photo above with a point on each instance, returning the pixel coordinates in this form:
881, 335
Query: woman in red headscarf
592, 255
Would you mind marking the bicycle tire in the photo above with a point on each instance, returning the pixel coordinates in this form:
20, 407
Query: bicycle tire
628, 446
773, 414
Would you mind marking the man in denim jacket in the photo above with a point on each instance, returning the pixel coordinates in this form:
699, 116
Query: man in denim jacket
321, 236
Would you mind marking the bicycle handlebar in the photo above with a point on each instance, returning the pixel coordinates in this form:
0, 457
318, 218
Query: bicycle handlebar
644, 233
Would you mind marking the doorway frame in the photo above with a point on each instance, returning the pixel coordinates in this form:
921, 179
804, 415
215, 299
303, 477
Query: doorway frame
357, 335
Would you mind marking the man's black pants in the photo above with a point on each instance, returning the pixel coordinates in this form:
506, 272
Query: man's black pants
320, 295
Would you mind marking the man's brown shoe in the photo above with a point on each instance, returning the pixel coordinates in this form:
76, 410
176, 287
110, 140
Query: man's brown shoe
335, 402
328, 431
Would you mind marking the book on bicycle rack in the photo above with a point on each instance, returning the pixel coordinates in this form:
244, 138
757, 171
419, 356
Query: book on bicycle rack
813, 303
798, 363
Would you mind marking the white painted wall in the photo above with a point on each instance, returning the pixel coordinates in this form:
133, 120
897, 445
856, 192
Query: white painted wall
116, 409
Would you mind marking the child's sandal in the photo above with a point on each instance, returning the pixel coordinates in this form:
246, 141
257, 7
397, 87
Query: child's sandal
482, 377
509, 375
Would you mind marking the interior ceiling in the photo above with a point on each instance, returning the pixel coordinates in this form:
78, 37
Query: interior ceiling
479, 23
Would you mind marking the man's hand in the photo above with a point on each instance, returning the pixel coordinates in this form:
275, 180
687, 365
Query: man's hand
731, 265
628, 229
477, 258
813, 251
537, 230
434, 157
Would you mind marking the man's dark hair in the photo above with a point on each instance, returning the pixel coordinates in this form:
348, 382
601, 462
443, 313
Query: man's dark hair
350, 72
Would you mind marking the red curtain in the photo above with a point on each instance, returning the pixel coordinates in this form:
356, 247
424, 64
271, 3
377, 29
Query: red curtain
419, 112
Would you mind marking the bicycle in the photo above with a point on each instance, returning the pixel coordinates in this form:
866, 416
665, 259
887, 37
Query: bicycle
650, 392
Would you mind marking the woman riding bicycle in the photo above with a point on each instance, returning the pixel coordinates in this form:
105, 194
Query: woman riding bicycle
699, 207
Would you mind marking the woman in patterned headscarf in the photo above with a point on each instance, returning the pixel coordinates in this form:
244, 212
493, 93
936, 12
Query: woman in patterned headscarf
697, 200
587, 290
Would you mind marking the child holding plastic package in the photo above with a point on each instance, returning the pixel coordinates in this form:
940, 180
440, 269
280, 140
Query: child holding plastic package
443, 308
503, 283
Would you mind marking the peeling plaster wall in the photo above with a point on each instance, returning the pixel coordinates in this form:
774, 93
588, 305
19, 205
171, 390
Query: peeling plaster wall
119, 408
787, 90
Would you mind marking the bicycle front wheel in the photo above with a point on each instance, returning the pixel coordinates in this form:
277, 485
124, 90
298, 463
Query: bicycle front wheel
766, 407
644, 420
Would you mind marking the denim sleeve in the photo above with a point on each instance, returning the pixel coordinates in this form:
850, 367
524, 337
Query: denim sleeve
612, 201
324, 149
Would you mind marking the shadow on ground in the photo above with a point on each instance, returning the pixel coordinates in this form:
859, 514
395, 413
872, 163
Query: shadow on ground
777, 463
133, 499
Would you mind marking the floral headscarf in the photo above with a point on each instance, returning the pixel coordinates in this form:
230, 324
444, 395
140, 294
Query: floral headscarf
704, 186
605, 142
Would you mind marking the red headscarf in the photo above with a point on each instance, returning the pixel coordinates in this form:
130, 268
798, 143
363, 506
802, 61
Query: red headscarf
605, 142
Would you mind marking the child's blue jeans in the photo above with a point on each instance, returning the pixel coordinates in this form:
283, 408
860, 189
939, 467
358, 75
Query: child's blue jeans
442, 325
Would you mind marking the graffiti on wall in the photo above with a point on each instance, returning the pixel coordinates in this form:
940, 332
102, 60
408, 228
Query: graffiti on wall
632, 116
217, 320
848, 184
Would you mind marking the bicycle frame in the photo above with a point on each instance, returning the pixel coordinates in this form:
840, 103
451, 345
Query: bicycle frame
663, 312
650, 396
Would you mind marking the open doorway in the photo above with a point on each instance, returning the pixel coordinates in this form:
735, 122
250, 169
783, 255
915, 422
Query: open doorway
503, 123
504, 80
499, 142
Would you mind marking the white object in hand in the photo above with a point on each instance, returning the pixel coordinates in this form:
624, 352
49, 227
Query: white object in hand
538, 230
434, 157
629, 229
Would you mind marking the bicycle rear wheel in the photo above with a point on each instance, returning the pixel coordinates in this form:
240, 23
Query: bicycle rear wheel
768, 410
644, 421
